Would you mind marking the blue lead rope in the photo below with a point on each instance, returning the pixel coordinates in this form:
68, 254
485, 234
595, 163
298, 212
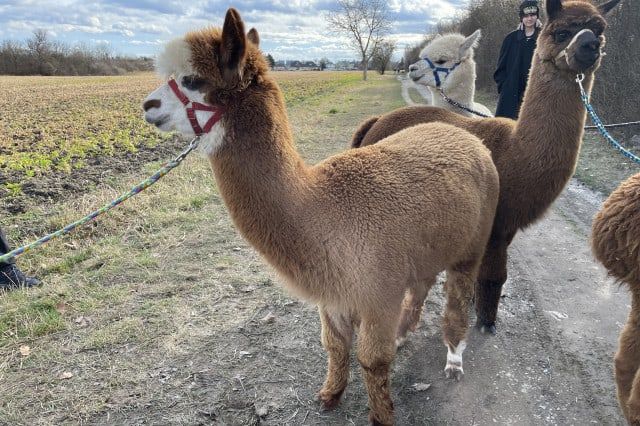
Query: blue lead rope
135, 190
601, 127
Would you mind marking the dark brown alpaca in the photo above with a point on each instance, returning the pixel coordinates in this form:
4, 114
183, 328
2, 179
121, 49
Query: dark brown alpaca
536, 155
616, 244
354, 233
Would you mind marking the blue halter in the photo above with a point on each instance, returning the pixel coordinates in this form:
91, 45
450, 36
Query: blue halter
437, 70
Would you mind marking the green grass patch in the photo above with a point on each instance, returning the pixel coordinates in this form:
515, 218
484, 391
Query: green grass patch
30, 316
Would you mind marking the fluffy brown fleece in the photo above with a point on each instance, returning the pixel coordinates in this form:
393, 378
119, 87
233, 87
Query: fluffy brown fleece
616, 243
357, 231
536, 155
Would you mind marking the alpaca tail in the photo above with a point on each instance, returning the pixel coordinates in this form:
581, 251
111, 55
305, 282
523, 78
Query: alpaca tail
615, 234
359, 135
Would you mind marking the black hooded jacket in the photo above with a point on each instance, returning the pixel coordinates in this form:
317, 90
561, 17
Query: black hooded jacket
513, 71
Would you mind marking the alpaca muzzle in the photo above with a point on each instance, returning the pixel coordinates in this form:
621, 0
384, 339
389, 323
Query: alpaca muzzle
583, 52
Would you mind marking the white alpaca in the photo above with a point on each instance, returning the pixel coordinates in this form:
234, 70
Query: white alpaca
447, 64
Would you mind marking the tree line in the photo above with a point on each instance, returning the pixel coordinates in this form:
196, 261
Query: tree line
39, 55
617, 88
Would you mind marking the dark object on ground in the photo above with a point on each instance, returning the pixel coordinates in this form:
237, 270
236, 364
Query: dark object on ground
11, 278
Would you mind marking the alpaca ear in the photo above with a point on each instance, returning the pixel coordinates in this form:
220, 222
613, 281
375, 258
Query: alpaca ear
607, 7
234, 45
554, 7
253, 36
469, 43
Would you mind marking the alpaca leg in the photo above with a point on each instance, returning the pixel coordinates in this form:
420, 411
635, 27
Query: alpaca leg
412, 309
337, 332
493, 274
376, 350
459, 290
627, 362
632, 409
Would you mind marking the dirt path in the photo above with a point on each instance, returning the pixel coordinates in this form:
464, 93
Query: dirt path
551, 362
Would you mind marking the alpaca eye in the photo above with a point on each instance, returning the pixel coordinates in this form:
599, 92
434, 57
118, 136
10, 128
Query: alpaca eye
562, 35
440, 62
192, 82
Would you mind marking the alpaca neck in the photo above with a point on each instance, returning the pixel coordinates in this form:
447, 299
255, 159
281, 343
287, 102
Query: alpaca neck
550, 126
260, 175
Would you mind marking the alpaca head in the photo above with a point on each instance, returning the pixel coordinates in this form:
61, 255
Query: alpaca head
573, 37
441, 57
207, 71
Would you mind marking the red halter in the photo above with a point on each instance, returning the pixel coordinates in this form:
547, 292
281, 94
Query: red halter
197, 106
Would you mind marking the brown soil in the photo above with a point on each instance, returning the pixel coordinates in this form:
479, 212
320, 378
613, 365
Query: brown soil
58, 186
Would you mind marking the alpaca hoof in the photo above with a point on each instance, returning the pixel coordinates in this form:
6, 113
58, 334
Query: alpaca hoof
400, 341
454, 372
489, 328
329, 401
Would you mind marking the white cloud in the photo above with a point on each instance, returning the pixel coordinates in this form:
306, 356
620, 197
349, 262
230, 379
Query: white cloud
292, 28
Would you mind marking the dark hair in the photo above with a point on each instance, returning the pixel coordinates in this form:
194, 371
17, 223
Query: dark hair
527, 7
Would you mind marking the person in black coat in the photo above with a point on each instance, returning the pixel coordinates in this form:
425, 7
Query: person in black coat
10, 276
515, 60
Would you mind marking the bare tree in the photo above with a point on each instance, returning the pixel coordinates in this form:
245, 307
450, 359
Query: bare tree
364, 22
270, 60
40, 48
382, 55
11, 53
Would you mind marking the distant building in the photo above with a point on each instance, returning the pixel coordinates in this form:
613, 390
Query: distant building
347, 65
297, 65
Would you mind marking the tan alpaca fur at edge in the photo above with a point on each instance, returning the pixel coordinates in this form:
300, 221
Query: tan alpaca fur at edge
536, 155
355, 233
616, 244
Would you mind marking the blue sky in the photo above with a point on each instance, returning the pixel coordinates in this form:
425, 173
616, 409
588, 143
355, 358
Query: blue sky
289, 29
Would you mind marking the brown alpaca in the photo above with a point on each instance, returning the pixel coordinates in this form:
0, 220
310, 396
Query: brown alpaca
536, 155
354, 233
616, 243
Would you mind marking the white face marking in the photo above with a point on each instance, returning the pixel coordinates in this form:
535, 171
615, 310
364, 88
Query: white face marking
212, 141
171, 114
175, 59
563, 52
575, 37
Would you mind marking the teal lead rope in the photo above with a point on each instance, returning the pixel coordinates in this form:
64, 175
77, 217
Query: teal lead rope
601, 127
135, 190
